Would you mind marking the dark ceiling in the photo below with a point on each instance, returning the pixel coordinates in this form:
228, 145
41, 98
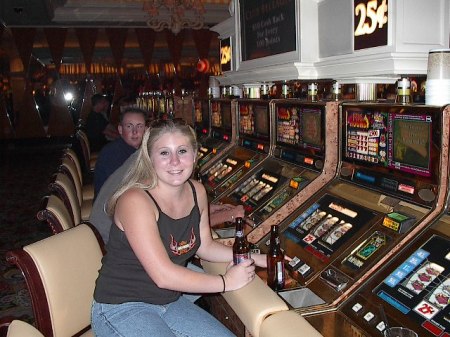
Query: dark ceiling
109, 13
99, 14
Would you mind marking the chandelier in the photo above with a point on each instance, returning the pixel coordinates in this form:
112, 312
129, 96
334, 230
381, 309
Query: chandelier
174, 14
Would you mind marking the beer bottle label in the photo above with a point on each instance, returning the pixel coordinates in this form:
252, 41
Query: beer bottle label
280, 273
238, 258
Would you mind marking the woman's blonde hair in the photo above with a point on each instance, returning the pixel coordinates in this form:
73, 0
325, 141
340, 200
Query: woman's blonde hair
141, 173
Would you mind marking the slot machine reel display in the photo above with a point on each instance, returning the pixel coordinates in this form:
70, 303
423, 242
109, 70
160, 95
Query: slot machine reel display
297, 159
214, 128
391, 185
253, 146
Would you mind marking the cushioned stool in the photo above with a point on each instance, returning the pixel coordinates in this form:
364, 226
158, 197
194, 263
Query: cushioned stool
22, 329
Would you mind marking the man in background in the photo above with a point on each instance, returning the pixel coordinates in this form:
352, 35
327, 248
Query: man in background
131, 130
98, 128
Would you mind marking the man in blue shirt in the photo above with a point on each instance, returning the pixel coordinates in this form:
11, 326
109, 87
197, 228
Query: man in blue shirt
131, 129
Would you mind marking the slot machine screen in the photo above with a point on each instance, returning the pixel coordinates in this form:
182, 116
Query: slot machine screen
201, 113
246, 119
226, 115
411, 144
205, 112
311, 127
401, 142
216, 116
300, 127
262, 124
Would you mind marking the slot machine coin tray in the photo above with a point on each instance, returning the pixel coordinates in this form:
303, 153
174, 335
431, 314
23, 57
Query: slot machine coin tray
300, 298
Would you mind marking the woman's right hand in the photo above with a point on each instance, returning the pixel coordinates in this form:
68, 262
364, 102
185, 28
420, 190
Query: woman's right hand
239, 275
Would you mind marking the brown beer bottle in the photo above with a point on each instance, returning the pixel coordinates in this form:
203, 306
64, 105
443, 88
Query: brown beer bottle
241, 248
275, 261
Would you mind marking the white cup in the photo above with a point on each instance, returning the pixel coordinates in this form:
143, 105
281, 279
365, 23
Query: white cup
438, 64
438, 77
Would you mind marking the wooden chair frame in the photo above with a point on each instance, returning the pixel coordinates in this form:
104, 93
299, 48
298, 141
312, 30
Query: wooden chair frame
44, 214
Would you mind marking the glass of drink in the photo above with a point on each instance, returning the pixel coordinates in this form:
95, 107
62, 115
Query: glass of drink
399, 332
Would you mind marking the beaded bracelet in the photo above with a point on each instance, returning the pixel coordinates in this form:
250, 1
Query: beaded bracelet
223, 281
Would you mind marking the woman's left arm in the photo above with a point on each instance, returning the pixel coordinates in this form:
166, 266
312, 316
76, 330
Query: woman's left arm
211, 250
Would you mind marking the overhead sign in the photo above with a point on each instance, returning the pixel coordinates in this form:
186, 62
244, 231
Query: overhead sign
370, 23
225, 54
267, 28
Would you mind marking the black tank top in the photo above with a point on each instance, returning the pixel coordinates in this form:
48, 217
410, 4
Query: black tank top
122, 277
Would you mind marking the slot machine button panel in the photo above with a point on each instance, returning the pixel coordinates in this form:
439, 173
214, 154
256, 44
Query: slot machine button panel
357, 307
381, 326
369, 316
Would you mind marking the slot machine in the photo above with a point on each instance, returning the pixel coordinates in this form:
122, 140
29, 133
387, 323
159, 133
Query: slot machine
414, 289
213, 123
202, 121
391, 185
297, 158
253, 146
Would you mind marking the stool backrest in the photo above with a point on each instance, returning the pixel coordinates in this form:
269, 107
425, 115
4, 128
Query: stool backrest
56, 214
60, 273
68, 167
19, 328
64, 188
69, 153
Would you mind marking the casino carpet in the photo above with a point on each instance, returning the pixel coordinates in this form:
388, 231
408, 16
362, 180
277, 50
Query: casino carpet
25, 172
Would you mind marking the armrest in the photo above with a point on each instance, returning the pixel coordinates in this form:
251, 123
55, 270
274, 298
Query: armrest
252, 303
287, 324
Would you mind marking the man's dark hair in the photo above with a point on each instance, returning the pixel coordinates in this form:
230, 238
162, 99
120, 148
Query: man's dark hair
97, 98
133, 110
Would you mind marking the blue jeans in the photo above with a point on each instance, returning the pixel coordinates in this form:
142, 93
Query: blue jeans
181, 318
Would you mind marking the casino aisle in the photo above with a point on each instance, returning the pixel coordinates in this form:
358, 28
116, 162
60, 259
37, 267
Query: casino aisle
25, 172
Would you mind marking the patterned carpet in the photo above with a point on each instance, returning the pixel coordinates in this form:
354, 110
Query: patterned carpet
25, 172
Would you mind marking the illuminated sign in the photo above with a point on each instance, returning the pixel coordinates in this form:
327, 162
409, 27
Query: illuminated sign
370, 23
225, 54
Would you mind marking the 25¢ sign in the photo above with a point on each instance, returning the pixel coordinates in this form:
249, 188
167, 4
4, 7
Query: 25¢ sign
370, 23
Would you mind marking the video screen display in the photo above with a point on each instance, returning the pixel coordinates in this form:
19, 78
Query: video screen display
226, 115
411, 144
216, 116
246, 119
254, 120
201, 109
300, 127
262, 124
396, 141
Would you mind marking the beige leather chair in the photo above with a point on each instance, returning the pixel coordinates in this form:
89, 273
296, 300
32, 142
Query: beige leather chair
85, 198
88, 189
63, 187
252, 303
90, 157
60, 273
287, 324
19, 328
69, 153
56, 214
